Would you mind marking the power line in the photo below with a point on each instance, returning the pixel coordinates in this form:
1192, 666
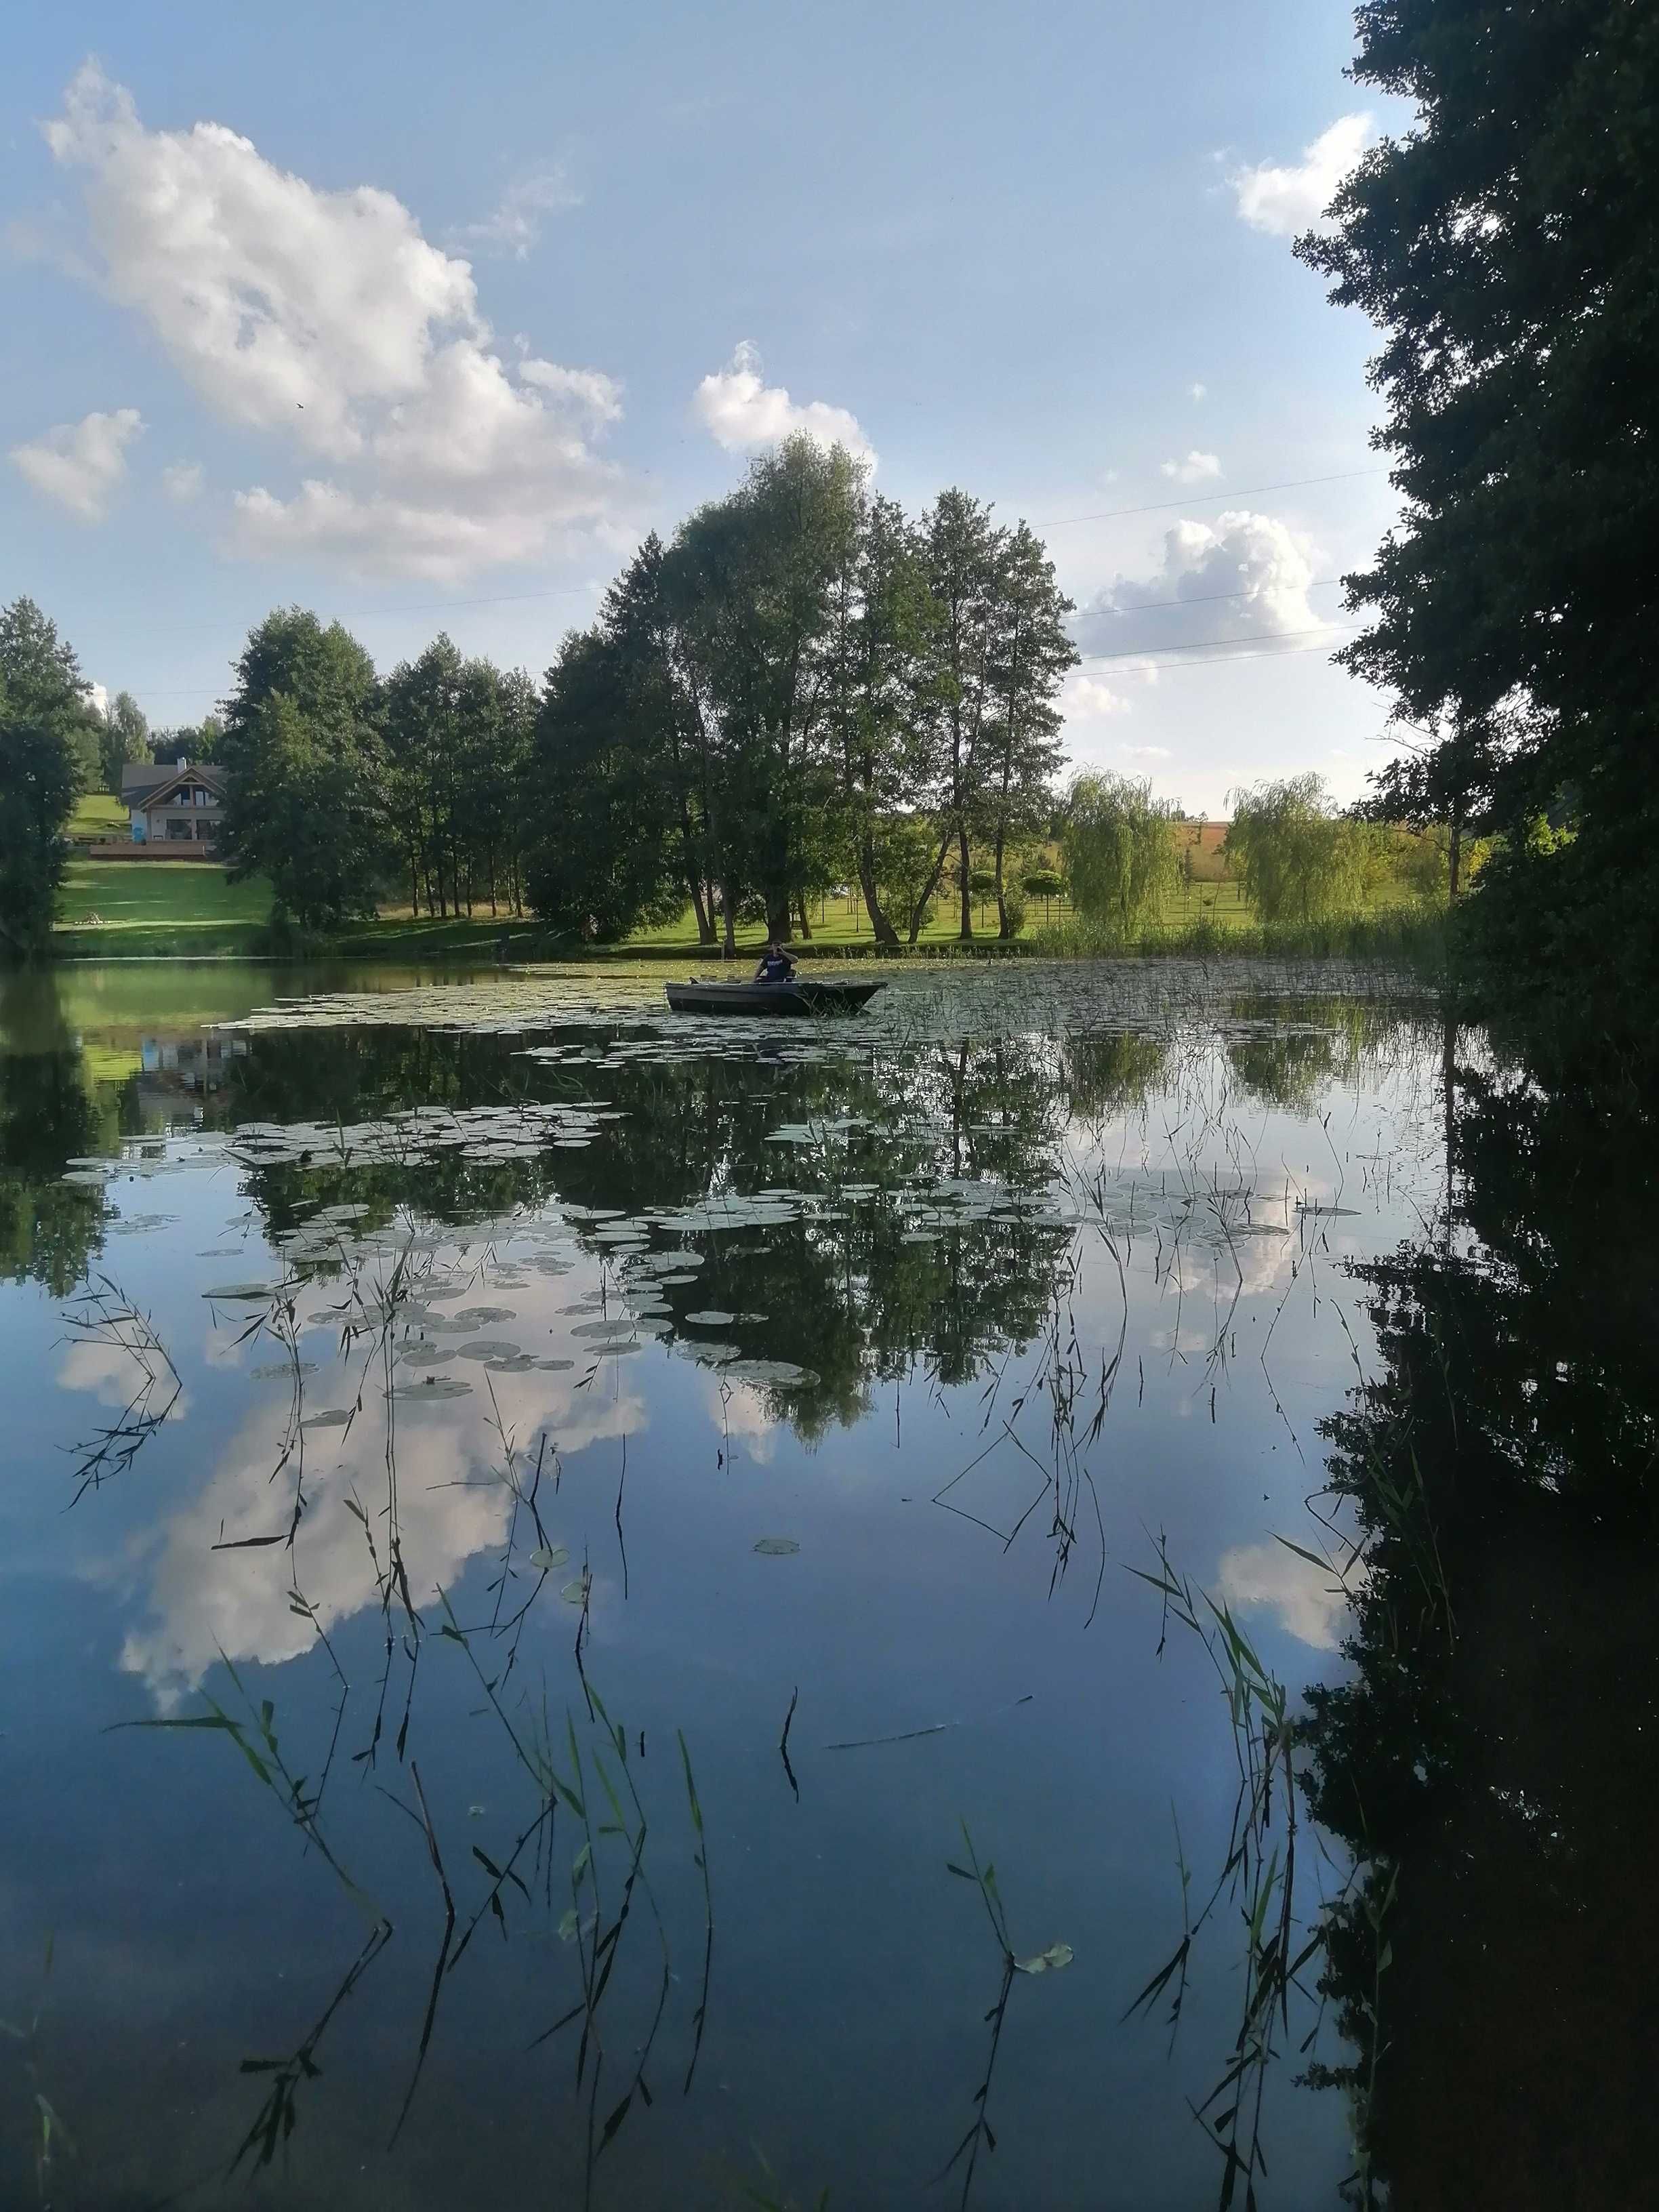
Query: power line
1221, 659
1264, 647
1197, 600
1240, 637
1215, 498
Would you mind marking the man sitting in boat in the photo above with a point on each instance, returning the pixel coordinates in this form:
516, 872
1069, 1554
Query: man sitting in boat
776, 965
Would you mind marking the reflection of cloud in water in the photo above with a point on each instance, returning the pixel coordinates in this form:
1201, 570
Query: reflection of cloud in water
203, 1602
744, 1414
113, 1376
1310, 1603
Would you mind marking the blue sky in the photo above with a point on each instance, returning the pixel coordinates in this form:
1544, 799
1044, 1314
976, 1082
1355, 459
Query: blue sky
421, 315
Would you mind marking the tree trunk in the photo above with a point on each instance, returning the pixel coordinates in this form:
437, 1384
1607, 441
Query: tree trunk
1003, 930
729, 916
921, 907
966, 930
884, 932
1455, 854
778, 923
805, 925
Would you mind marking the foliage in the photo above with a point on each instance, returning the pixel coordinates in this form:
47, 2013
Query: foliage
45, 724
1293, 853
1120, 847
456, 748
804, 687
304, 759
124, 737
1509, 248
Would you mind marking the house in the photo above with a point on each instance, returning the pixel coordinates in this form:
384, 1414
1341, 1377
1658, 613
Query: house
183, 805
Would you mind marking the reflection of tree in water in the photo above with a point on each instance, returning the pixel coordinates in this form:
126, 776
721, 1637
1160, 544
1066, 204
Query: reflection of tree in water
1301, 1048
855, 1293
1493, 1757
49, 1228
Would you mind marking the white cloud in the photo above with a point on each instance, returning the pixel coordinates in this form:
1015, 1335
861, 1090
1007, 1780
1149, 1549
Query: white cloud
1196, 468
327, 317
1283, 201
1196, 391
80, 464
182, 481
1145, 752
745, 415
1083, 699
98, 698
1311, 1604
515, 226
1245, 577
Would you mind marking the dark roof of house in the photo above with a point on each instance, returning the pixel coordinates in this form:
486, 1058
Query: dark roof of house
141, 782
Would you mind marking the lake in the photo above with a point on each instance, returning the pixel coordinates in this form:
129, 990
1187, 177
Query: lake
604, 1607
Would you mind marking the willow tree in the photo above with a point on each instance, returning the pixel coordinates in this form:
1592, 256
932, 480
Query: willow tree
1290, 850
1119, 845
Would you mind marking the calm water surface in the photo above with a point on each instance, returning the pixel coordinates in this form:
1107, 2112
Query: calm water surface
532, 1526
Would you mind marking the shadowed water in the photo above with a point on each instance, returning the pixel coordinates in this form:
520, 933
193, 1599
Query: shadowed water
533, 1525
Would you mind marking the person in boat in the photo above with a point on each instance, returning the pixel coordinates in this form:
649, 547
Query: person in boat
776, 965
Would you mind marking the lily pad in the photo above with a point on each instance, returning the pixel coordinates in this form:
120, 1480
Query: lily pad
434, 1386
546, 1557
335, 1418
776, 1548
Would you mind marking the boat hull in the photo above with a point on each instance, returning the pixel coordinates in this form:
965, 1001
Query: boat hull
804, 996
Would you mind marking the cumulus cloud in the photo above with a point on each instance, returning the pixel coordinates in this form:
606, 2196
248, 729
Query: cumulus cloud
513, 226
80, 464
1196, 391
1085, 700
1245, 577
1284, 200
745, 415
182, 481
328, 318
1311, 1604
1194, 468
1145, 752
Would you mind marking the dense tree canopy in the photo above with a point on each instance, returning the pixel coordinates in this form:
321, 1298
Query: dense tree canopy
47, 728
803, 687
1509, 247
305, 759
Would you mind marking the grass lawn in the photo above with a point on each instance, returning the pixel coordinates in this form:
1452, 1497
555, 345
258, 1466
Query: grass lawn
109, 909
98, 814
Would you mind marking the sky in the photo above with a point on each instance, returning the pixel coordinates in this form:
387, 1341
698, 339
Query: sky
423, 315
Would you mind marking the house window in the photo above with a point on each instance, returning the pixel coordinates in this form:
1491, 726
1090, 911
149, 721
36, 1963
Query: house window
199, 797
204, 833
178, 829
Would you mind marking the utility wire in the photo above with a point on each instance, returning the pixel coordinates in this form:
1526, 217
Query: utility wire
1207, 499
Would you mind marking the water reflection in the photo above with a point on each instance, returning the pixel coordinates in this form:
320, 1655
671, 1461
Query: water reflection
572, 1405
1492, 1759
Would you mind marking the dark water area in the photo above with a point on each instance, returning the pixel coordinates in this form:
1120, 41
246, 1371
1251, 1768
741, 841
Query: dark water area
606, 1608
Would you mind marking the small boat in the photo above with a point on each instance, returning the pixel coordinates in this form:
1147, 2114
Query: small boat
804, 994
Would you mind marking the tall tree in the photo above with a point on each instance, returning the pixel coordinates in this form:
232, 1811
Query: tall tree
124, 737
1031, 652
1509, 247
604, 856
304, 760
45, 723
886, 736
964, 554
751, 583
